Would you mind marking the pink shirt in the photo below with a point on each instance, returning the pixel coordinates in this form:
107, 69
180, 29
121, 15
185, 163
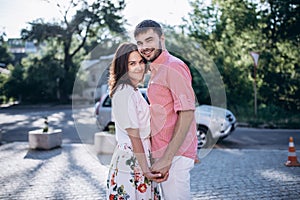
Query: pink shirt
170, 90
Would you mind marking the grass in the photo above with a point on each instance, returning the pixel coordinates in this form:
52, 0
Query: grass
268, 117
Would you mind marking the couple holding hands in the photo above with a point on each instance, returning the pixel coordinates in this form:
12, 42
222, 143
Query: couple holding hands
157, 143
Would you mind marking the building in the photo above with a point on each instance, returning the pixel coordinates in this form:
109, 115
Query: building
91, 81
20, 48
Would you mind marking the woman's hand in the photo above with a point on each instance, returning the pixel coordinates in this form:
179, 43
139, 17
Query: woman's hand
157, 177
161, 166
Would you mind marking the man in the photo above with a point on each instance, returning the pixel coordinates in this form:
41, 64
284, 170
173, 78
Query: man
172, 105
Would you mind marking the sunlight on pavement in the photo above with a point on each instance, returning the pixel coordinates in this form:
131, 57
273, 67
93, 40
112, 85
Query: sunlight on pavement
279, 176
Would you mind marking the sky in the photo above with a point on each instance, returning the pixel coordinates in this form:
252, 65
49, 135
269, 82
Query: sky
15, 14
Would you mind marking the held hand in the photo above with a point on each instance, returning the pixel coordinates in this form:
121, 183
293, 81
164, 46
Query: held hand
161, 166
153, 176
162, 178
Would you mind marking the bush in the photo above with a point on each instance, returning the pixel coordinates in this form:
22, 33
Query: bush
268, 116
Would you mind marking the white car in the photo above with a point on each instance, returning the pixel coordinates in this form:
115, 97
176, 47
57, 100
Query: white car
213, 123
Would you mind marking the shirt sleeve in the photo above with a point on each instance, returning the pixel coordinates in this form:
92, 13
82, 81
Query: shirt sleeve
125, 110
179, 81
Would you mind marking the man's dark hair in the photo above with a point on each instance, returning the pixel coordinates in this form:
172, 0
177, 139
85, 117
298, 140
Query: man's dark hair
145, 25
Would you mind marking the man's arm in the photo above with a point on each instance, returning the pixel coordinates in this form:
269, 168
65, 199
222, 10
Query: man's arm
182, 127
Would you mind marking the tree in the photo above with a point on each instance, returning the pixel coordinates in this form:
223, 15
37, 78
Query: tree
72, 34
14, 85
224, 29
280, 81
5, 57
281, 19
229, 30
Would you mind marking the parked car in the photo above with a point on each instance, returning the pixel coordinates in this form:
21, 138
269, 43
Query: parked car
213, 123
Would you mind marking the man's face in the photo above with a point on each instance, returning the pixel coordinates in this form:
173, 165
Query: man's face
149, 44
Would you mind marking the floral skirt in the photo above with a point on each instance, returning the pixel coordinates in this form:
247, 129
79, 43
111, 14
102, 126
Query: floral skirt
125, 177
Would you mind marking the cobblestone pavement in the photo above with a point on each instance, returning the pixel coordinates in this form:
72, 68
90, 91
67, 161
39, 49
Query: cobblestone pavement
74, 172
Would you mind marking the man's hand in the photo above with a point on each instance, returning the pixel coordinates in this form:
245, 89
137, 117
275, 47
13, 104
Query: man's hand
161, 166
157, 177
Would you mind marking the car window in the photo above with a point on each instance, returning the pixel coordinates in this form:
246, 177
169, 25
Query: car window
107, 102
145, 96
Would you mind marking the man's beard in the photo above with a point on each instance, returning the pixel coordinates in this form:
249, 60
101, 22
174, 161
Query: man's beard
157, 53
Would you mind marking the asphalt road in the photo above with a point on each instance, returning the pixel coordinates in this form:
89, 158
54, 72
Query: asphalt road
253, 138
79, 125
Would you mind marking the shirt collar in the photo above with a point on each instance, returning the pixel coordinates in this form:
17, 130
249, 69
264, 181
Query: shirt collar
159, 60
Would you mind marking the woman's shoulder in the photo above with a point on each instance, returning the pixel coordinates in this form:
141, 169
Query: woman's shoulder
124, 90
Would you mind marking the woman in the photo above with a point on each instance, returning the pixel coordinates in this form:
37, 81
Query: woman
129, 175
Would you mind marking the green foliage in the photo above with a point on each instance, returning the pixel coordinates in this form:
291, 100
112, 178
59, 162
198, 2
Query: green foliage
71, 38
3, 80
41, 78
5, 56
229, 30
6, 59
220, 31
14, 87
46, 127
281, 20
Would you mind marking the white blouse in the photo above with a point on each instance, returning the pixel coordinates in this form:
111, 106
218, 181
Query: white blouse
130, 110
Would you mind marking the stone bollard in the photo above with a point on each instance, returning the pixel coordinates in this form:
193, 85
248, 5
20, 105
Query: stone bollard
104, 142
40, 140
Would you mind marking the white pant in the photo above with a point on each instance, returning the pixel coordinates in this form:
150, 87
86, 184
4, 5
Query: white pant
177, 187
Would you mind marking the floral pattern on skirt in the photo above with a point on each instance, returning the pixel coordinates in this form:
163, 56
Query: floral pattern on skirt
126, 180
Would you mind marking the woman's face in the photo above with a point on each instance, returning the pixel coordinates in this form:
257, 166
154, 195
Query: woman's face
136, 67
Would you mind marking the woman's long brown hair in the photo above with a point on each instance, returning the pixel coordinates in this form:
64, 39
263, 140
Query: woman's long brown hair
118, 72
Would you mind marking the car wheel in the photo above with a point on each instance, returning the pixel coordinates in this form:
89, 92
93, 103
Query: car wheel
205, 139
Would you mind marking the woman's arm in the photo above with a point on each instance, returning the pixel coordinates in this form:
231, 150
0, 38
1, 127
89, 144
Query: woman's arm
139, 152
